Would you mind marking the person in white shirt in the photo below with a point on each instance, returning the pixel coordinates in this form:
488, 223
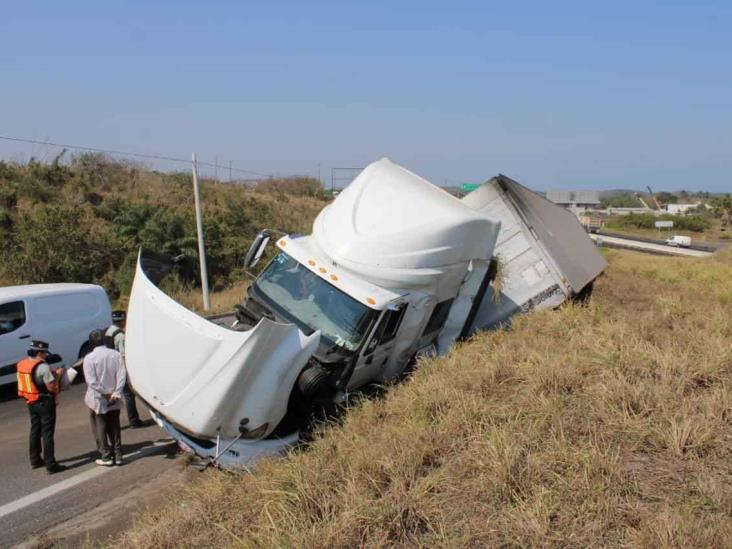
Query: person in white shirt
105, 376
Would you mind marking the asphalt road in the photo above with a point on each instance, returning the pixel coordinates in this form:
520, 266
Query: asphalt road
649, 247
35, 505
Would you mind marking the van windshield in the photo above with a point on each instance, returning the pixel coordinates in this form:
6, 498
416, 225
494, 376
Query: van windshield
313, 304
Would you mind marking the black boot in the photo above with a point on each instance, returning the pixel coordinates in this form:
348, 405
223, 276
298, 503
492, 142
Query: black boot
55, 468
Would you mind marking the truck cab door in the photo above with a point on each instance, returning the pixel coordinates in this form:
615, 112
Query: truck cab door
378, 348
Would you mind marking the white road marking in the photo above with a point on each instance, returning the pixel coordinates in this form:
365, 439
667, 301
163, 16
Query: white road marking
54, 489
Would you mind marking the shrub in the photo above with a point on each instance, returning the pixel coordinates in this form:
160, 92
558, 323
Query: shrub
695, 223
59, 243
298, 186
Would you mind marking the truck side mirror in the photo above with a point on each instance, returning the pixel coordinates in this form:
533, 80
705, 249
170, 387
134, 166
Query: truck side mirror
256, 250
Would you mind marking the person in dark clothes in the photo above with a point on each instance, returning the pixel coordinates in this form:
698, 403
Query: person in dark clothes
38, 384
115, 337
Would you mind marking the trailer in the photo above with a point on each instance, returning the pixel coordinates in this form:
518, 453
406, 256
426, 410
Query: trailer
591, 222
544, 251
394, 268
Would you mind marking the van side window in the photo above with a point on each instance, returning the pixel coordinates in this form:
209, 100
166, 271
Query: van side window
12, 316
439, 316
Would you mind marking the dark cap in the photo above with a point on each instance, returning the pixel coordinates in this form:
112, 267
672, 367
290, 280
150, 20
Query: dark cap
118, 316
38, 345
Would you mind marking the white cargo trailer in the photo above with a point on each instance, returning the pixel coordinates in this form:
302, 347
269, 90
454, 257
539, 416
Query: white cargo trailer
395, 267
544, 251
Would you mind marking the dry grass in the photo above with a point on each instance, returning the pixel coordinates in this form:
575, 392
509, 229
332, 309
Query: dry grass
604, 425
221, 301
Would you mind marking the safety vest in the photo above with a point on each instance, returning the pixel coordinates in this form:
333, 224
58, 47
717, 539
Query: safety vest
27, 387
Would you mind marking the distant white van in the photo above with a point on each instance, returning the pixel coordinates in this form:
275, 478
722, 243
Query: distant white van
61, 314
679, 241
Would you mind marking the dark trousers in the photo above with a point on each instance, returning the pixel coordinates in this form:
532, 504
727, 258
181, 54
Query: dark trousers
43, 427
130, 404
107, 433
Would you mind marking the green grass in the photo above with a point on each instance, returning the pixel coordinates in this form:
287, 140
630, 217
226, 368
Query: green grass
713, 233
601, 425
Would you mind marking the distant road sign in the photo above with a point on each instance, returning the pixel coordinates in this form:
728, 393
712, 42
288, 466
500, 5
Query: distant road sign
468, 187
664, 224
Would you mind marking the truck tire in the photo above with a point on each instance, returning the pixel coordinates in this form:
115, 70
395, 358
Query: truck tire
312, 381
583, 297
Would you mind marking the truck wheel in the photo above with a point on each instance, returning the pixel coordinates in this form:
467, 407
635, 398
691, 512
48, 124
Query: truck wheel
312, 381
583, 297
301, 409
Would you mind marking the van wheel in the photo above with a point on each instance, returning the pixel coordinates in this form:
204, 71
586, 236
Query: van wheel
85, 350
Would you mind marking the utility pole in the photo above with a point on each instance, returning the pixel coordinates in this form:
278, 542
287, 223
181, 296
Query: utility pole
199, 230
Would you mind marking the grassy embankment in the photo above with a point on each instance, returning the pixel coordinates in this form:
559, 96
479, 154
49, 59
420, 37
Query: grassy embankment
609, 424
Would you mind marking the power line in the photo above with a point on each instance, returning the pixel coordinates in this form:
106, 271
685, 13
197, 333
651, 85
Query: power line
133, 154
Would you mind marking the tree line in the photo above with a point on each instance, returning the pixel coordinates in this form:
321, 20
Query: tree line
85, 220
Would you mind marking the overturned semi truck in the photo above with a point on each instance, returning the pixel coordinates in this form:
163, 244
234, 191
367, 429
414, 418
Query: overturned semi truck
395, 268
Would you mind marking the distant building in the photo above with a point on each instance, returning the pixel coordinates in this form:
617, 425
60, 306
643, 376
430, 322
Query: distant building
575, 201
679, 208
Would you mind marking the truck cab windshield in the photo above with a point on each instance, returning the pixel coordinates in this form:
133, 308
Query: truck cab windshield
313, 304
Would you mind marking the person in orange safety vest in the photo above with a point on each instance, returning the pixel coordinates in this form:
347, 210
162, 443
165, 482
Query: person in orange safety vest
38, 384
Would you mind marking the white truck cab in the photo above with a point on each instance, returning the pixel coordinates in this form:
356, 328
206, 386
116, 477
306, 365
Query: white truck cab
61, 314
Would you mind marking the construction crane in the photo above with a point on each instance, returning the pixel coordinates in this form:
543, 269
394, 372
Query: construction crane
643, 202
653, 197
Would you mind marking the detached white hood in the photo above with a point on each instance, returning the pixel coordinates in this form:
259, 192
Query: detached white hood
205, 378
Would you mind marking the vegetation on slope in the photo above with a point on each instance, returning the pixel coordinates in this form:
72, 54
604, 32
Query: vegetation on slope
85, 221
694, 223
605, 424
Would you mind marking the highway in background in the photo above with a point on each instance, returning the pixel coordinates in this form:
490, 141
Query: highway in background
630, 243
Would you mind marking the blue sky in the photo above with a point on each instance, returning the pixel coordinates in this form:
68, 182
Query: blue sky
554, 94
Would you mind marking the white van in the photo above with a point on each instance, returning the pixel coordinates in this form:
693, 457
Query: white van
61, 314
679, 241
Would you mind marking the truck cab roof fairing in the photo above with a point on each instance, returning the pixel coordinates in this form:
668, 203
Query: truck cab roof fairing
205, 378
390, 218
